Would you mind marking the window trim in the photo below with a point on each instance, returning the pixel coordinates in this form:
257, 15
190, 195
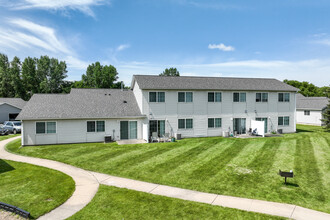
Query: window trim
157, 99
185, 96
95, 122
214, 99
262, 97
45, 127
185, 124
283, 93
283, 124
239, 97
214, 124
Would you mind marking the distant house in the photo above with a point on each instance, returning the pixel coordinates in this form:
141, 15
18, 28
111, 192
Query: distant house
161, 105
310, 109
10, 108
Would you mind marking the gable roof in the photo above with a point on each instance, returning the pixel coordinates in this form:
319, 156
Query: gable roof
16, 102
210, 83
311, 103
82, 104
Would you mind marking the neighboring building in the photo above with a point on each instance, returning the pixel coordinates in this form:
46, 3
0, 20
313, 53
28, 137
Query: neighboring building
310, 109
10, 108
190, 106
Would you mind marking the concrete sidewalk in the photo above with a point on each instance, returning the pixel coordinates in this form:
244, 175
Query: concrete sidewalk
87, 183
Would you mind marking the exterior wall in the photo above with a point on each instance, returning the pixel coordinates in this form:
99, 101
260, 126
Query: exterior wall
138, 95
313, 119
5, 110
200, 110
74, 131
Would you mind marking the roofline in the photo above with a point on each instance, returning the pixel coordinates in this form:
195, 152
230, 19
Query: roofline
313, 109
92, 118
11, 105
222, 90
209, 77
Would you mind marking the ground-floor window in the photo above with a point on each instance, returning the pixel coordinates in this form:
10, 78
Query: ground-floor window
46, 127
98, 126
185, 123
214, 123
307, 112
284, 121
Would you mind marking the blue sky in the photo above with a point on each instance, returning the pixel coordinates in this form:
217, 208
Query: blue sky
274, 39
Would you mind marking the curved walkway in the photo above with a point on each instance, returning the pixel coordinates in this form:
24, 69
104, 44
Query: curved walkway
87, 183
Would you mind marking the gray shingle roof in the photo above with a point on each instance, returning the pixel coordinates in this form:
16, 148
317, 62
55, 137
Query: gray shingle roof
16, 102
82, 104
211, 83
311, 103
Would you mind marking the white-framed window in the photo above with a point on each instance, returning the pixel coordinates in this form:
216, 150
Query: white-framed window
185, 96
95, 126
261, 97
43, 127
214, 122
239, 97
214, 97
307, 112
284, 97
284, 121
156, 96
185, 123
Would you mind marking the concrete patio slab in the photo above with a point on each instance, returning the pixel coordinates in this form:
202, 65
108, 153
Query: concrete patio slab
140, 141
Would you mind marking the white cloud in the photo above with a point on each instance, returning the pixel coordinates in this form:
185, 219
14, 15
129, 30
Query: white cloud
19, 37
221, 47
122, 47
59, 5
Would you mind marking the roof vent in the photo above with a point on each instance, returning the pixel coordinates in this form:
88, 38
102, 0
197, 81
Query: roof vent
124, 101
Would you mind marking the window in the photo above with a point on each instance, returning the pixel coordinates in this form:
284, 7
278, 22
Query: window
156, 96
214, 97
307, 112
239, 97
98, 126
185, 123
40, 127
214, 123
284, 97
185, 97
284, 121
46, 127
261, 97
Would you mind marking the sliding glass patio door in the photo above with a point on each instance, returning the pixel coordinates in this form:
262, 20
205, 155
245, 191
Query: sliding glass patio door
128, 130
239, 125
157, 126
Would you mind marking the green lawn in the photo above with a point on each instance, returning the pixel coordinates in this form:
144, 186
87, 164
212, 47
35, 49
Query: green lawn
115, 203
238, 167
35, 189
4, 137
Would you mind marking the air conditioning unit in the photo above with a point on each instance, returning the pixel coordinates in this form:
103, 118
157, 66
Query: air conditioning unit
107, 139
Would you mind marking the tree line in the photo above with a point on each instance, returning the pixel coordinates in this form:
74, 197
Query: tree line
308, 89
22, 79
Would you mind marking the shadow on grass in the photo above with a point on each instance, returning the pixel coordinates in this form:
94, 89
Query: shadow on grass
302, 130
5, 167
290, 184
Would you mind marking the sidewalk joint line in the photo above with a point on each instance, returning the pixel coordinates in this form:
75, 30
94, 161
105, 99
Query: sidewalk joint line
293, 211
214, 199
154, 188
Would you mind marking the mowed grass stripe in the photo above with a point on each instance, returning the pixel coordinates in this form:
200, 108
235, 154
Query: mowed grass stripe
307, 171
283, 158
322, 152
187, 168
152, 162
216, 164
185, 157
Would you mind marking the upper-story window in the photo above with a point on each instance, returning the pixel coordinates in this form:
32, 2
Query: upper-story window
185, 97
261, 97
214, 97
156, 96
284, 97
239, 97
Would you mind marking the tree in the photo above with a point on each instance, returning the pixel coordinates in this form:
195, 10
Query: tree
29, 76
306, 88
99, 76
5, 81
326, 113
17, 88
170, 72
